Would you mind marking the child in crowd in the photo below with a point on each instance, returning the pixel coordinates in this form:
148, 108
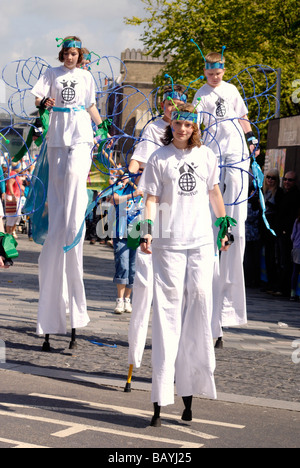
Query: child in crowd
182, 177
126, 203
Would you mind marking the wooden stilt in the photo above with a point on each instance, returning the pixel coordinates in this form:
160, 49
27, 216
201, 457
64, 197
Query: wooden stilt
127, 388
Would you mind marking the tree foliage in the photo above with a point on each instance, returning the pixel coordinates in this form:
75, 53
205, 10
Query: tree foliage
254, 32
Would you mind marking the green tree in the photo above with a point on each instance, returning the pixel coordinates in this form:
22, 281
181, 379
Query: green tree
254, 32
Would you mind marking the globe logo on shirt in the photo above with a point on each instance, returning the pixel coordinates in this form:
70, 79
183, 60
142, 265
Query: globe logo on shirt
68, 92
220, 109
187, 181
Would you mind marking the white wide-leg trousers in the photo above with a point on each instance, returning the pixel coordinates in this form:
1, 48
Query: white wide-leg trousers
141, 307
61, 275
182, 342
229, 285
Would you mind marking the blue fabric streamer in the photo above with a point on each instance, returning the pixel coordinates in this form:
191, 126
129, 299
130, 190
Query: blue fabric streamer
103, 344
35, 204
258, 184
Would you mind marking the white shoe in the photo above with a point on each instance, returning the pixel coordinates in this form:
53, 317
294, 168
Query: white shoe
127, 306
119, 309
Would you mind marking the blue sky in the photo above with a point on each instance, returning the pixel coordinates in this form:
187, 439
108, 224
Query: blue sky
30, 28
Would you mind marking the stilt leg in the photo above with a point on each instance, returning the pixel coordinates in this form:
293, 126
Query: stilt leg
219, 343
127, 388
46, 344
73, 343
187, 413
156, 421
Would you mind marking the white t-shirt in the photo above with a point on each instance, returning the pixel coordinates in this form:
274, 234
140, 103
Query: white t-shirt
71, 89
151, 141
182, 180
219, 105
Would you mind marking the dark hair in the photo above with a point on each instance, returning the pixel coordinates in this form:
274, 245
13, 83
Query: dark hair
61, 52
178, 88
194, 140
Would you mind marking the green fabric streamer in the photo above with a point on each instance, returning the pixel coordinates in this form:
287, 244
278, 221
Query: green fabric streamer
8, 246
224, 224
103, 132
103, 128
44, 115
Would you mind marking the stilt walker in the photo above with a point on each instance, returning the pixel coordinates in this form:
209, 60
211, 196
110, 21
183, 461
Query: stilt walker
228, 130
143, 282
69, 93
184, 176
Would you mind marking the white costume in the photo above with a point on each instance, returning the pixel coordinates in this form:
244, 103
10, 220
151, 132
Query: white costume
220, 108
70, 140
183, 257
143, 281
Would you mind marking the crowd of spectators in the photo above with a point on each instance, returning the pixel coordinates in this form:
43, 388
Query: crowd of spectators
271, 262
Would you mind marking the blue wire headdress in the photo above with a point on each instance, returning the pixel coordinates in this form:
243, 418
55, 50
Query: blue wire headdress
67, 43
181, 96
184, 116
179, 114
89, 56
209, 65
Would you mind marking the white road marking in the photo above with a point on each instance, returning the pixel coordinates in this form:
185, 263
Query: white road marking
134, 411
72, 428
18, 444
75, 430
84, 427
192, 432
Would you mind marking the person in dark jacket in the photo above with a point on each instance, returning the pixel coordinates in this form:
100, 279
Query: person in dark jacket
287, 214
273, 194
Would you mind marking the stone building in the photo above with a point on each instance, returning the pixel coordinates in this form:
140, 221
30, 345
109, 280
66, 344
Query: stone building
132, 100
138, 70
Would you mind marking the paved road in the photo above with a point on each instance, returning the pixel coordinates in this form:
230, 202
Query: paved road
258, 368
42, 412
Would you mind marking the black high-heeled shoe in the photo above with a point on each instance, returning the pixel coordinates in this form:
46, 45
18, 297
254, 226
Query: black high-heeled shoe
187, 413
156, 421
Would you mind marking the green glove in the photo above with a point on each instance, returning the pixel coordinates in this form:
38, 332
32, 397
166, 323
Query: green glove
141, 227
103, 129
224, 224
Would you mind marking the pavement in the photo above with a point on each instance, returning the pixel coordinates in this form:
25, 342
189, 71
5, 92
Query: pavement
259, 364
